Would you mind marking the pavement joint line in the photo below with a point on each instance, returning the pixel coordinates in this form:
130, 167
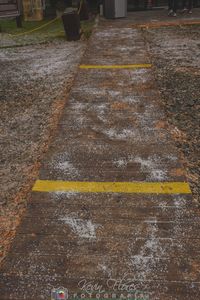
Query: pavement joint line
112, 187
166, 24
133, 66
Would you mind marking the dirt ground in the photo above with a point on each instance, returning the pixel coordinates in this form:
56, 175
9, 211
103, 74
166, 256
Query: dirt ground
34, 82
175, 52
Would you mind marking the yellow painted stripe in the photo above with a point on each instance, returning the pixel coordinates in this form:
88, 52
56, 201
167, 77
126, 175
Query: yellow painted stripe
112, 187
136, 66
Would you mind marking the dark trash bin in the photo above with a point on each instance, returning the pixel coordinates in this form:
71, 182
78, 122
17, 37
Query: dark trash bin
71, 22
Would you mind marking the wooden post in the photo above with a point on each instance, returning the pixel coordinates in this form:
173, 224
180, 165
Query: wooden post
33, 10
150, 4
19, 21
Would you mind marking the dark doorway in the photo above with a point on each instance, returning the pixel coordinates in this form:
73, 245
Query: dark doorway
145, 4
134, 5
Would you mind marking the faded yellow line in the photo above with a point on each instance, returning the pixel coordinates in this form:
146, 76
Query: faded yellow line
135, 66
112, 187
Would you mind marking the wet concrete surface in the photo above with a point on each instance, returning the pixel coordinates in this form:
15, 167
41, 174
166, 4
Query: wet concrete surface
112, 129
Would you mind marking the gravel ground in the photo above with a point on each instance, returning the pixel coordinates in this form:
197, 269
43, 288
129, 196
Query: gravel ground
34, 82
175, 52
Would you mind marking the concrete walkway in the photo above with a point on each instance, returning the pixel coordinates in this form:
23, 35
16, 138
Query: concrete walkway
115, 214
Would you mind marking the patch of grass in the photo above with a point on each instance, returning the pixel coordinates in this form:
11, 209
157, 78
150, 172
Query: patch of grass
33, 32
36, 32
9, 26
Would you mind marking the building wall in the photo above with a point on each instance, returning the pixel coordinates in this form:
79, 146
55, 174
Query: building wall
141, 4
